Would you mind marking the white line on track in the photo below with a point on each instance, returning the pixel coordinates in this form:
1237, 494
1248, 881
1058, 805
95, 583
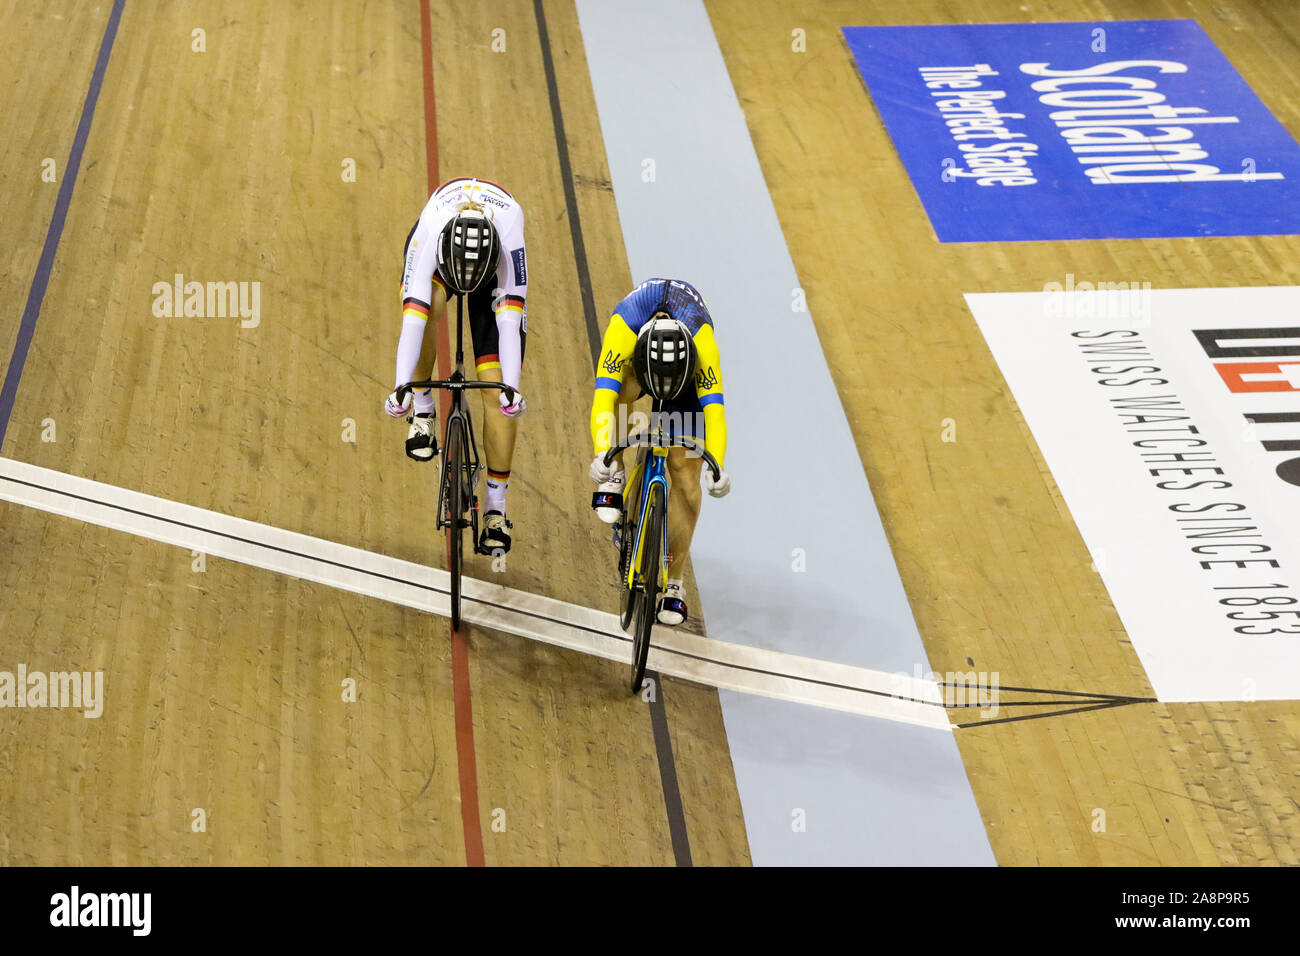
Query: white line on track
737, 667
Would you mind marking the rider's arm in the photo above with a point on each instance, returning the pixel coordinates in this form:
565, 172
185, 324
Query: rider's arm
615, 355
417, 292
512, 280
708, 387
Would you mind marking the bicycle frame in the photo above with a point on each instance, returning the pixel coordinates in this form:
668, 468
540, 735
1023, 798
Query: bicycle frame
652, 468
652, 472
458, 415
639, 591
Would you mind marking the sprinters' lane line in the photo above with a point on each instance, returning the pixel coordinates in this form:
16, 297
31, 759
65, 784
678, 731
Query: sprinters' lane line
673, 805
857, 690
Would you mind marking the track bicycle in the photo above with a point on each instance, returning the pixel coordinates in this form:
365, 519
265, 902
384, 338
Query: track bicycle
642, 534
458, 476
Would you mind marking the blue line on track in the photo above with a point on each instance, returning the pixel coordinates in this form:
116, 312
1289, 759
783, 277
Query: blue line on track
40, 281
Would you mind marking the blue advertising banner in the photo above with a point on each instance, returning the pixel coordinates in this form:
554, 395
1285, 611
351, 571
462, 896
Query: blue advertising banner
1121, 129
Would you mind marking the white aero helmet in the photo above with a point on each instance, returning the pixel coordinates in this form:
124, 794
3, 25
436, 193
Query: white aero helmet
468, 249
664, 357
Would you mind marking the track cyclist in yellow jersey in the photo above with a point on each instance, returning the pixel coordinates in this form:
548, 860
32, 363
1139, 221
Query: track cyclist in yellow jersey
662, 330
470, 236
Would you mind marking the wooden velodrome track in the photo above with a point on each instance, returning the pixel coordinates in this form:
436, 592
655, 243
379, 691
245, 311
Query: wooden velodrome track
224, 689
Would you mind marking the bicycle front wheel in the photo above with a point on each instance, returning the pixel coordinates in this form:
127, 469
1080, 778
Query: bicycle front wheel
454, 463
627, 541
627, 604
647, 595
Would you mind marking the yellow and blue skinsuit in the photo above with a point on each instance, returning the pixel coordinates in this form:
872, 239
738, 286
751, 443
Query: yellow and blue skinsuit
683, 302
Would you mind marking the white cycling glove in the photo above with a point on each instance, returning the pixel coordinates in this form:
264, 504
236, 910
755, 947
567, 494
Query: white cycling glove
396, 409
717, 488
512, 409
600, 472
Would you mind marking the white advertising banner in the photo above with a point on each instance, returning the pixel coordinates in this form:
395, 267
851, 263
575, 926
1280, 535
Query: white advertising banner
1170, 420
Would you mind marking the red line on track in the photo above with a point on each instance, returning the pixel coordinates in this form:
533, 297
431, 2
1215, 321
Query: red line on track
430, 125
465, 761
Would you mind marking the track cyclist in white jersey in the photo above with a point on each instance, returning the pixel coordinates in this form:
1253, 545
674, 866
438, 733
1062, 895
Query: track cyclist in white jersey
470, 236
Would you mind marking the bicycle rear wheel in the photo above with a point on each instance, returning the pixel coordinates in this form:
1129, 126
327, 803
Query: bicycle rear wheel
454, 477
647, 595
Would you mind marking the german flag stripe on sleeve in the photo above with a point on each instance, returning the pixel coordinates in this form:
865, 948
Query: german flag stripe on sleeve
415, 307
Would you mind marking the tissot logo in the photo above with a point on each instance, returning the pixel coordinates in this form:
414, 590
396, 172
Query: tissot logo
1180, 470
1279, 347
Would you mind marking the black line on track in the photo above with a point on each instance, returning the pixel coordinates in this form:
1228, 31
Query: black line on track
658, 713
1052, 703
1105, 705
1090, 701
1040, 690
668, 774
570, 194
437, 590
